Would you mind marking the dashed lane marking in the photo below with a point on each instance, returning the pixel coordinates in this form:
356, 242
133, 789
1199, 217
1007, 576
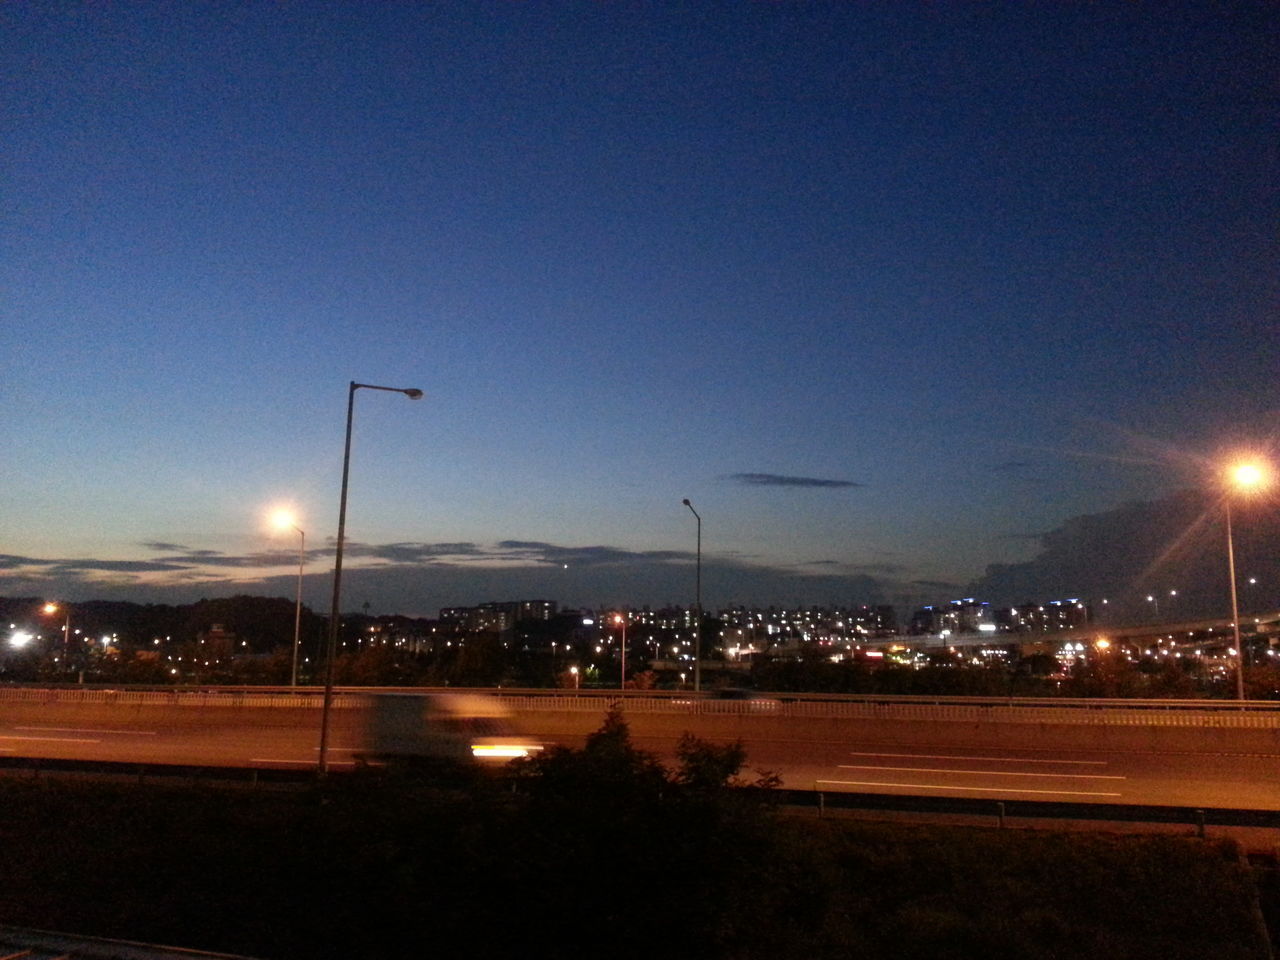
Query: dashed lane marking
931, 786
986, 773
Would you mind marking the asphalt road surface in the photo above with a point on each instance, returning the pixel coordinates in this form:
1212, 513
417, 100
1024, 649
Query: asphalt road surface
960, 761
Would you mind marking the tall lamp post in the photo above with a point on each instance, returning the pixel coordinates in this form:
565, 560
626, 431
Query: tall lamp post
697, 623
1246, 478
286, 521
620, 619
332, 646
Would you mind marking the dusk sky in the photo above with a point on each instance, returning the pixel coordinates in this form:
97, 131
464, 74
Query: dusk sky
887, 290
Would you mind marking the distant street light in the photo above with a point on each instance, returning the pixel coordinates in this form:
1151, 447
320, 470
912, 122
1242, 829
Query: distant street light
413, 394
1246, 478
284, 520
697, 622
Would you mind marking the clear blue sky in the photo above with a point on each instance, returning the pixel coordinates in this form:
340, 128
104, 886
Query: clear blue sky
969, 264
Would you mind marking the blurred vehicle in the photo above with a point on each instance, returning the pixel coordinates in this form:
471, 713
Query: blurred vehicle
458, 727
729, 700
752, 700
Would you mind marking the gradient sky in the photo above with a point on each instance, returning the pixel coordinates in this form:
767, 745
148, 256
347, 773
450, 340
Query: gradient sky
975, 268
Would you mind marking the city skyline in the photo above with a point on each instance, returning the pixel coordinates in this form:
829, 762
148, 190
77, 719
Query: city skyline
892, 295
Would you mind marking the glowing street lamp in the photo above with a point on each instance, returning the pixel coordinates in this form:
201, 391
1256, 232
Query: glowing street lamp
1245, 477
620, 619
51, 608
284, 520
413, 393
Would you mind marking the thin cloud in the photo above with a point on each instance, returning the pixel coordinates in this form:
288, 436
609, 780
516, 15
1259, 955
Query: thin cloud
412, 552
783, 480
541, 552
878, 569
111, 566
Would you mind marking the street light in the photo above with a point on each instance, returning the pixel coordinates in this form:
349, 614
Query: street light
413, 394
697, 623
284, 520
1246, 477
618, 618
51, 608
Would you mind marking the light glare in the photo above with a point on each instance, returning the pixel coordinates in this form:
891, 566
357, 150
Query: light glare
283, 519
1249, 476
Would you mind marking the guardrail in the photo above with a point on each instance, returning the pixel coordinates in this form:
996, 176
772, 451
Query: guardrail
997, 810
1256, 714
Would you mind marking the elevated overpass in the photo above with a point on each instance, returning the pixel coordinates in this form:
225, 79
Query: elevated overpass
1213, 631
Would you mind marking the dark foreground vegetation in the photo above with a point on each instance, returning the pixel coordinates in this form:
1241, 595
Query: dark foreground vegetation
599, 852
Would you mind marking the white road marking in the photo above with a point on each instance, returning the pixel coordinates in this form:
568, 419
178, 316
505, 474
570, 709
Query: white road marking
132, 733
51, 739
309, 763
987, 773
299, 763
930, 756
930, 786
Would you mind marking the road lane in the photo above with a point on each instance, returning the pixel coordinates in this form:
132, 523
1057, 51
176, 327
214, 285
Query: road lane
937, 774
946, 758
1194, 780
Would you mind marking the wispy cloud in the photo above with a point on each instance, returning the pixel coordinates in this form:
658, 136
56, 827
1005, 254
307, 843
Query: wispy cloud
936, 584
58, 565
424, 576
783, 480
590, 556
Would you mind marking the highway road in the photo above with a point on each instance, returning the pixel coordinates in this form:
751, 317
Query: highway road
1002, 773
991, 760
